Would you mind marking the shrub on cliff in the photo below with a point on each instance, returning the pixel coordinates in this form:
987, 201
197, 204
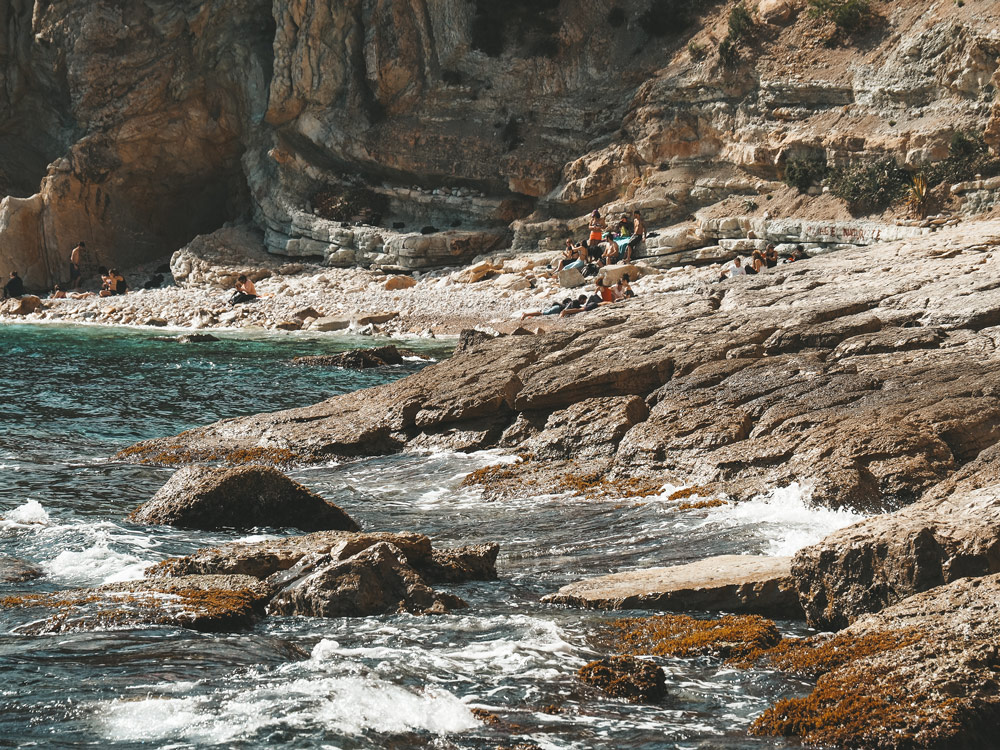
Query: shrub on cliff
350, 204
804, 173
849, 16
870, 186
968, 155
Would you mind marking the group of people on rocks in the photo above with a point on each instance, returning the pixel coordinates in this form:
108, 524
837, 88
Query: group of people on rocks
605, 245
760, 260
601, 296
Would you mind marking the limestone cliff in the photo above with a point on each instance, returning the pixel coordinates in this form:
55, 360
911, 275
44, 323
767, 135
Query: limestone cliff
138, 126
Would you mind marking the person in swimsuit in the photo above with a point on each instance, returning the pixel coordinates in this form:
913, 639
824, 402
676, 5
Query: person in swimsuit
245, 291
74, 264
57, 293
553, 309
116, 284
638, 235
596, 227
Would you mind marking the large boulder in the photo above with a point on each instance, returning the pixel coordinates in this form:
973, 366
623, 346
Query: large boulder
201, 497
21, 305
273, 556
378, 580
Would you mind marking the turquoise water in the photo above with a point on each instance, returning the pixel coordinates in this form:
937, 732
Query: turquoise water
76, 395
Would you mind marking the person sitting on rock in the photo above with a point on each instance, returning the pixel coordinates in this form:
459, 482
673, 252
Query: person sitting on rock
756, 264
582, 257
116, 284
245, 291
597, 227
770, 256
623, 289
553, 309
14, 287
735, 268
569, 254
624, 226
611, 252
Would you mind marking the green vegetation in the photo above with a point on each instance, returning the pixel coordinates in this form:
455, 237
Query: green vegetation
804, 173
697, 51
741, 29
849, 16
869, 186
968, 155
741, 23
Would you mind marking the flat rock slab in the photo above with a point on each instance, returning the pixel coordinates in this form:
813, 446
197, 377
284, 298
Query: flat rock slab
731, 583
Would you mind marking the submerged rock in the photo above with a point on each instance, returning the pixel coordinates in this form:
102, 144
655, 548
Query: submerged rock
356, 359
16, 570
730, 583
635, 680
207, 603
208, 498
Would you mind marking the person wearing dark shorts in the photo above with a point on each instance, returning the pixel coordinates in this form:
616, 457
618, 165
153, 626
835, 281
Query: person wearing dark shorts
74, 265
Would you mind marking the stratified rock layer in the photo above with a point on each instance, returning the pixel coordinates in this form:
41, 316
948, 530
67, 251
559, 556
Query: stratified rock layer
802, 374
951, 533
730, 583
245, 497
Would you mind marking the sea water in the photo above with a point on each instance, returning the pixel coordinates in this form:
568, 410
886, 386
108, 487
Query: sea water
73, 396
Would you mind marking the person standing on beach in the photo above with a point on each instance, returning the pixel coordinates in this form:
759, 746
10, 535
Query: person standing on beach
74, 265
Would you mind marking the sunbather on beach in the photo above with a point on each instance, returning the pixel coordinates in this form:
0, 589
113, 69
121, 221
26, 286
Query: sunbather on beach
553, 309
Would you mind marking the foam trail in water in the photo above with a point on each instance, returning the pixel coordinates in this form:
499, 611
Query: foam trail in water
347, 705
787, 516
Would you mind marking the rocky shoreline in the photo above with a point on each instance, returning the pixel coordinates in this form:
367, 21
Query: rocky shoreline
869, 376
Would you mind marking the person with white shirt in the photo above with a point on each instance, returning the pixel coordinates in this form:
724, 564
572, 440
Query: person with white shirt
733, 269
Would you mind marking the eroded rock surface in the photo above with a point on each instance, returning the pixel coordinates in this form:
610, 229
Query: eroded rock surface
801, 374
202, 497
730, 583
325, 574
919, 674
951, 533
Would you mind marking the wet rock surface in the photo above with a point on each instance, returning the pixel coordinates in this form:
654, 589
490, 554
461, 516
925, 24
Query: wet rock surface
730, 583
212, 603
919, 674
635, 680
325, 574
356, 359
16, 570
201, 497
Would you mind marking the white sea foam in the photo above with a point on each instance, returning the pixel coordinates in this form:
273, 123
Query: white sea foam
79, 553
98, 563
30, 514
346, 705
787, 516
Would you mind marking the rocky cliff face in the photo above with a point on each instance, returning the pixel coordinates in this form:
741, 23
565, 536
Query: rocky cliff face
138, 126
